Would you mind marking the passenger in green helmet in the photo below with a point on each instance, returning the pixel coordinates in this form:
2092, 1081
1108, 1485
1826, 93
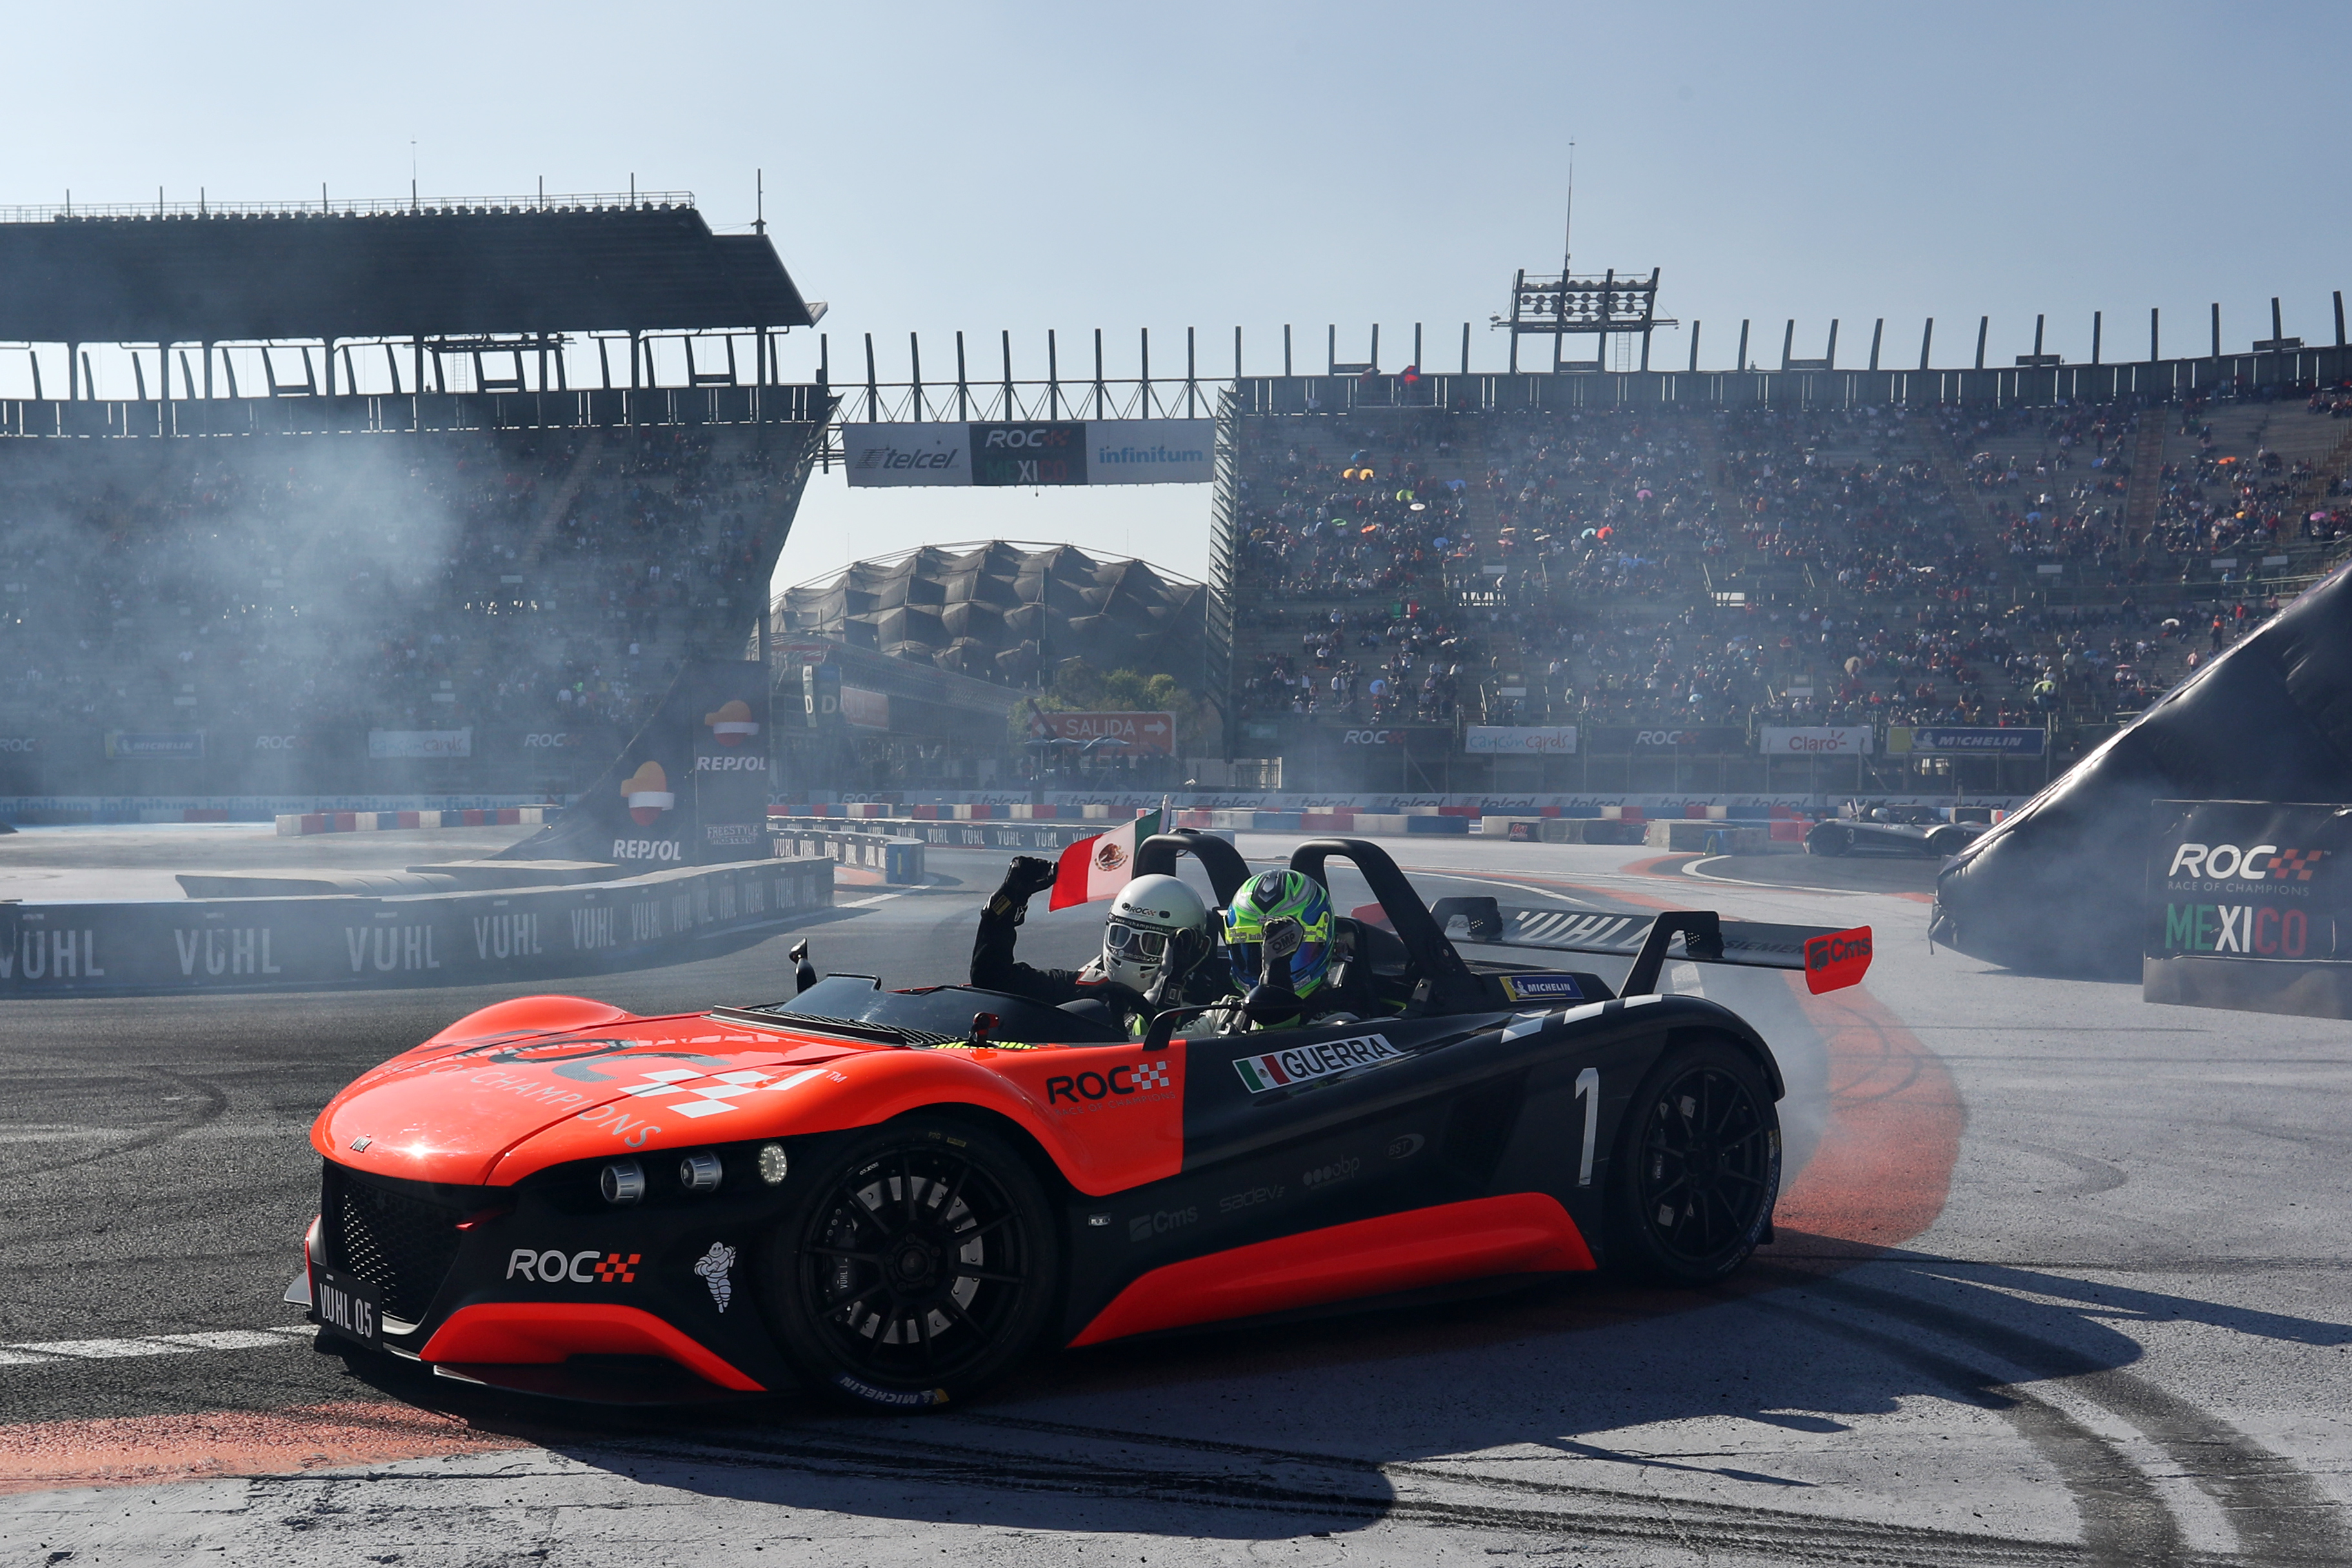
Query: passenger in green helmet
1280, 937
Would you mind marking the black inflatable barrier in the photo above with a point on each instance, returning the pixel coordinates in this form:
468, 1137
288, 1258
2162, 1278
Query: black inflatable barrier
2056, 887
347, 943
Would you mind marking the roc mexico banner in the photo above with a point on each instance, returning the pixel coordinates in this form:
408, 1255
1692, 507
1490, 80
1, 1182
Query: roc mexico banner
1032, 454
2246, 906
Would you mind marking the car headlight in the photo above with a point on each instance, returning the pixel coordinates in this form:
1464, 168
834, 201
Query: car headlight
622, 1182
701, 1172
773, 1165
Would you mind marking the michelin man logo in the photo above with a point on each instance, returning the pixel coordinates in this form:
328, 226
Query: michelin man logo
714, 1266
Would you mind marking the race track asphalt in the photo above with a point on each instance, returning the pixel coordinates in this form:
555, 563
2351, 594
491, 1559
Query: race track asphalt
2062, 1279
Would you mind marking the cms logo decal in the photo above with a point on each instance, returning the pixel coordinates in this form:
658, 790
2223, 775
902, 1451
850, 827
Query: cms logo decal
1837, 960
557, 1266
1076, 1089
2261, 862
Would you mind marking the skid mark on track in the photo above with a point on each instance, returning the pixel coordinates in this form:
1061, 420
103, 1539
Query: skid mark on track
2098, 1175
2280, 1514
210, 1102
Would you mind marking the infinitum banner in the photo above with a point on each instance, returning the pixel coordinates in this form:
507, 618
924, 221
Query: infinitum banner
1032, 454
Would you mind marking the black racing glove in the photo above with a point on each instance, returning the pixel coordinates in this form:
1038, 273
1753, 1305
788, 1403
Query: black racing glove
1027, 875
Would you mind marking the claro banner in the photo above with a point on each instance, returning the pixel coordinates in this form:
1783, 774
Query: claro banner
1032, 454
1821, 741
2246, 907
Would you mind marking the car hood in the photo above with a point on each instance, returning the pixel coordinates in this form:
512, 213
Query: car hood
450, 1110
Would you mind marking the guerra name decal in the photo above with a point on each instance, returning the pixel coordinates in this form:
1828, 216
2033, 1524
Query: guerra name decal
1307, 1063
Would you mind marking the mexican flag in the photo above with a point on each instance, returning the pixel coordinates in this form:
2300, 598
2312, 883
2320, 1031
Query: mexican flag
1098, 867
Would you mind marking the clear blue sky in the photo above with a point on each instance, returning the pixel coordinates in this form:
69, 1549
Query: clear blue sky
986, 167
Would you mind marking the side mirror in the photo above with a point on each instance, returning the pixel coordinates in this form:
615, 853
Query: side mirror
804, 972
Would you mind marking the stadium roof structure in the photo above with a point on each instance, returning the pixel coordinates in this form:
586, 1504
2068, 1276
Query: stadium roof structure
365, 269
1010, 612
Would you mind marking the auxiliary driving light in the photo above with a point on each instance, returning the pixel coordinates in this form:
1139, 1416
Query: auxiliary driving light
699, 1172
623, 1181
773, 1166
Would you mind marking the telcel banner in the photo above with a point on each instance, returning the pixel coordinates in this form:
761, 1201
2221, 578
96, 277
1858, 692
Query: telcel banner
2245, 907
1816, 741
1529, 740
1965, 740
1032, 452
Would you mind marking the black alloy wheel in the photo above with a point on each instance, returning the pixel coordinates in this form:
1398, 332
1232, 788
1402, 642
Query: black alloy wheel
1829, 839
913, 1267
1697, 1167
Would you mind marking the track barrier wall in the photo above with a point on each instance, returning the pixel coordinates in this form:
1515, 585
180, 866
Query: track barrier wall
341, 943
898, 856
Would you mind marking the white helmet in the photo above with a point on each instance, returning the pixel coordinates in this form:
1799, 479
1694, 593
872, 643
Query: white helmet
1146, 912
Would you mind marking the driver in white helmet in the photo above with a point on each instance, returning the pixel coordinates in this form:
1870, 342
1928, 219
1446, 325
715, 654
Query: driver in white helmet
1154, 941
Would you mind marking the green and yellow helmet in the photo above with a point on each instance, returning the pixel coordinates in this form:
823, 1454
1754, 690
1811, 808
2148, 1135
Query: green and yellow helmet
1280, 918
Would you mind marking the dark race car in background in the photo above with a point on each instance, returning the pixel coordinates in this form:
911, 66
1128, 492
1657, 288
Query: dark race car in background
1917, 830
892, 1197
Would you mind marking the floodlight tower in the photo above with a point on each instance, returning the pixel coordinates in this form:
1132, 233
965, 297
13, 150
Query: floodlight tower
1564, 305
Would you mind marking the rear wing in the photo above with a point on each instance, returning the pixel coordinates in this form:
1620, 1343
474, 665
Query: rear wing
1831, 960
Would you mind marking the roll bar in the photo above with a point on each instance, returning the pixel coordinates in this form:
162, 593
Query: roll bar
1451, 984
1157, 856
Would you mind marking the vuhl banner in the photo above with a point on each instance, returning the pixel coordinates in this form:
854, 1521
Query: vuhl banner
2245, 907
691, 788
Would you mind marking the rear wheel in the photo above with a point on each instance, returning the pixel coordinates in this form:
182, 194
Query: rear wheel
1697, 1167
918, 1265
1829, 841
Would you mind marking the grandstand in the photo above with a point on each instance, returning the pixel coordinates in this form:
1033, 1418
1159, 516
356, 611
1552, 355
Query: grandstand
361, 581
1701, 570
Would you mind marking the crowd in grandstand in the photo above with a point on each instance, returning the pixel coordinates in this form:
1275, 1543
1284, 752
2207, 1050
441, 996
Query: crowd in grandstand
530, 580
1866, 565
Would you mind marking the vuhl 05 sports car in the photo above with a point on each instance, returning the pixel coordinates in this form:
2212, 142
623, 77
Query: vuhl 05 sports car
892, 1197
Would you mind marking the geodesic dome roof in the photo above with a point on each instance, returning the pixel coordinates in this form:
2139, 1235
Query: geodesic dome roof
1009, 611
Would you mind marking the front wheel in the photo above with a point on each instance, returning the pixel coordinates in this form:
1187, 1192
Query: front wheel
1697, 1168
918, 1265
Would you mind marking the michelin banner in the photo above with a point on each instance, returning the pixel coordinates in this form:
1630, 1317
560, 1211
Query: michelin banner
1032, 454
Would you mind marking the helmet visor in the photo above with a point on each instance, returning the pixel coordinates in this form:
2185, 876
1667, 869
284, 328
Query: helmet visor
1136, 943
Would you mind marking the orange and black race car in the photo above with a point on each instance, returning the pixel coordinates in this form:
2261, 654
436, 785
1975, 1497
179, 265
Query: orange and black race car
892, 1197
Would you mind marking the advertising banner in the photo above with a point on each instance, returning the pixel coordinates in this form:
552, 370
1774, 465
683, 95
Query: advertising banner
880, 455
1151, 451
1529, 740
1144, 734
732, 746
1815, 741
130, 746
1032, 452
495, 938
408, 743
863, 709
644, 812
1965, 740
1653, 740
2246, 907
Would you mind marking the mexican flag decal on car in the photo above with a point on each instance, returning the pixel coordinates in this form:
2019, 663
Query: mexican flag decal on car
1306, 1063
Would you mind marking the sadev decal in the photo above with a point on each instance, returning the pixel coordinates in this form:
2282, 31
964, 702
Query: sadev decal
1309, 1064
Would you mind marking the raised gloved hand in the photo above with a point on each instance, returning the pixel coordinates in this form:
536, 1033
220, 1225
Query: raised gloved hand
1026, 875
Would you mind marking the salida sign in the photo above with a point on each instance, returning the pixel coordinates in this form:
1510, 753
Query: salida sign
1123, 734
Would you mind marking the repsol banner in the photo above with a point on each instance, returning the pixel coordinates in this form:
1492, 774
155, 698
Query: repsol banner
427, 940
690, 788
2246, 907
1034, 453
